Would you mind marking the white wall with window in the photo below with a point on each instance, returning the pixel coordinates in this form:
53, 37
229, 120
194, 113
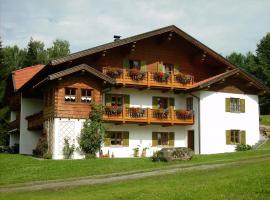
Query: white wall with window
222, 112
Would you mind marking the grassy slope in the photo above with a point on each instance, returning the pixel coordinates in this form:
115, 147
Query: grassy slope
242, 181
265, 120
266, 145
19, 168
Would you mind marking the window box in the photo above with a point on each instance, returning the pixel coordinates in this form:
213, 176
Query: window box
182, 78
161, 113
114, 73
184, 114
161, 77
113, 110
136, 74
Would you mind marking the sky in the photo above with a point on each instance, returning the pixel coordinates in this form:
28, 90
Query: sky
226, 26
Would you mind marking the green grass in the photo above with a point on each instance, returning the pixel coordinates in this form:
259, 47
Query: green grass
247, 181
266, 145
20, 168
265, 120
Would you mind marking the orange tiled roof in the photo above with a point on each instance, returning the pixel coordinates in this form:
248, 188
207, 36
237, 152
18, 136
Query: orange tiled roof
21, 76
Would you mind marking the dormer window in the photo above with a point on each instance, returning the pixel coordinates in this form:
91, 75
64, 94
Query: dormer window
86, 96
70, 95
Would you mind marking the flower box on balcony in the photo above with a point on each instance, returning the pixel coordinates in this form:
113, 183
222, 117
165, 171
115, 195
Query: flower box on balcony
136, 112
113, 110
161, 77
161, 113
183, 78
136, 74
184, 114
114, 73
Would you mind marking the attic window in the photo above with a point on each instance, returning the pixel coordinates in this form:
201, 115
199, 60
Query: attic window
70, 95
86, 96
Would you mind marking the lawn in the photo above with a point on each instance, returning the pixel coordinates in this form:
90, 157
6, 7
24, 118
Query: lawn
20, 168
266, 145
239, 181
265, 120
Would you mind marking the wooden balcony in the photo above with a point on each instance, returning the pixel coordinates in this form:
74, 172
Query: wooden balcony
14, 125
135, 77
148, 116
35, 121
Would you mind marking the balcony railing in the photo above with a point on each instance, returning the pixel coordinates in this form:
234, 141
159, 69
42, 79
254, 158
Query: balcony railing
148, 115
35, 121
14, 124
150, 79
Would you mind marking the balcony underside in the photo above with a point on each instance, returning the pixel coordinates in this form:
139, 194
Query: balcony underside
35, 121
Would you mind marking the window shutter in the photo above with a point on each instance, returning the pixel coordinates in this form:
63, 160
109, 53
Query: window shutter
126, 100
228, 105
171, 101
126, 63
143, 66
154, 139
107, 139
176, 69
242, 105
228, 137
160, 67
171, 139
243, 137
108, 99
125, 139
154, 102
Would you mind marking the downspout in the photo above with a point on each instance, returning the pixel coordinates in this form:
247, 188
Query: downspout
199, 120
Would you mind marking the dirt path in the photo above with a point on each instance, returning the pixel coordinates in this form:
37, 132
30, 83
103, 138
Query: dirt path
43, 185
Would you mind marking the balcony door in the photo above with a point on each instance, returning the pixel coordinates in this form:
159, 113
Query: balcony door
191, 139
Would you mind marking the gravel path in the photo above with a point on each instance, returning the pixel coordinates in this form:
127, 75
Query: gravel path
42, 185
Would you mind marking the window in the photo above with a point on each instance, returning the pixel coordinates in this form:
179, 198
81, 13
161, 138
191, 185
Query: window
163, 103
235, 104
134, 64
163, 138
70, 95
116, 138
189, 101
86, 96
168, 68
235, 137
117, 100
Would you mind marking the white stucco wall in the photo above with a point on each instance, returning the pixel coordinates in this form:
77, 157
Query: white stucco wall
28, 139
14, 138
215, 121
12, 116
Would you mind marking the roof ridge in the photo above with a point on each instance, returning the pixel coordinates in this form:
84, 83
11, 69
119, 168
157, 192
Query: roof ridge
24, 68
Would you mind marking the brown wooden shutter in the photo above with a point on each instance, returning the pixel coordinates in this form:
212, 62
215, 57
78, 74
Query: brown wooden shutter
154, 102
176, 69
126, 63
154, 139
243, 137
228, 137
127, 100
108, 99
125, 139
228, 105
143, 66
171, 139
242, 105
107, 139
171, 101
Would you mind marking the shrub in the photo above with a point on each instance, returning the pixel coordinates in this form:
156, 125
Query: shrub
171, 154
42, 146
93, 130
68, 149
243, 147
14, 149
47, 156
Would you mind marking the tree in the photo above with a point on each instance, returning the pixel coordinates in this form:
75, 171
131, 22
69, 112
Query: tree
93, 131
60, 48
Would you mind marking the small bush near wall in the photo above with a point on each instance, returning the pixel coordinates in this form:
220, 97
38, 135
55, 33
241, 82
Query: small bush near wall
14, 149
243, 147
170, 154
68, 149
42, 146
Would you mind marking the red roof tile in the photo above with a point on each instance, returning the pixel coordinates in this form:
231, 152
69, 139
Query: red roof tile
21, 76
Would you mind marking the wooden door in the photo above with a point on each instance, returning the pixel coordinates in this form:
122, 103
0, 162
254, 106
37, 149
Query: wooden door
191, 139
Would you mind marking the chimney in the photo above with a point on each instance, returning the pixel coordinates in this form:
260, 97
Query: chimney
116, 37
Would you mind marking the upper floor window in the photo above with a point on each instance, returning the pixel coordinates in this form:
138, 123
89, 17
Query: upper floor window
117, 100
235, 105
168, 68
86, 95
70, 95
189, 103
134, 64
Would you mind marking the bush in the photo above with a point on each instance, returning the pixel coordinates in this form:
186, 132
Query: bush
68, 149
170, 154
47, 156
14, 149
42, 146
243, 147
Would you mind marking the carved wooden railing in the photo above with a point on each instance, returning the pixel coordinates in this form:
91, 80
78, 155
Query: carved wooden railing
148, 115
35, 121
149, 79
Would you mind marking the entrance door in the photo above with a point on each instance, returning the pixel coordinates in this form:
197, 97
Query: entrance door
191, 139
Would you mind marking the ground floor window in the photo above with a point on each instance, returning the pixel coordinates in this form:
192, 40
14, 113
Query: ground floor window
235, 137
116, 138
163, 139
